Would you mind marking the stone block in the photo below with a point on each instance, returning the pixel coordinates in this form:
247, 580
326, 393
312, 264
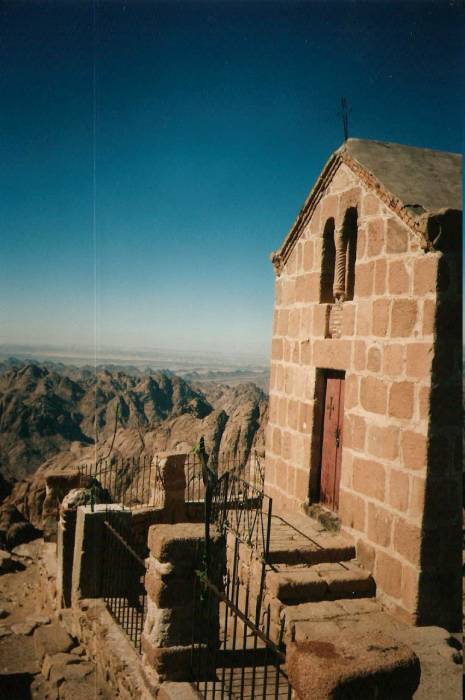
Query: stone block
370, 665
370, 205
380, 322
352, 510
374, 359
364, 279
61, 659
296, 586
388, 574
380, 276
419, 358
364, 314
375, 236
429, 316
277, 349
425, 274
366, 555
380, 523
398, 278
307, 260
393, 360
351, 392
174, 663
373, 394
351, 583
401, 396
332, 353
369, 478
348, 319
397, 236
407, 540
51, 639
413, 449
354, 432
383, 442
398, 489
320, 316
403, 317
180, 544
168, 592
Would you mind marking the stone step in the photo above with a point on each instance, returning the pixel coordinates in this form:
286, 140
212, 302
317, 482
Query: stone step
296, 585
297, 539
335, 549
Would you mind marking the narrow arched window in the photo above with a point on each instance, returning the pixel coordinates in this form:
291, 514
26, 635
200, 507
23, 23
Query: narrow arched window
328, 263
350, 244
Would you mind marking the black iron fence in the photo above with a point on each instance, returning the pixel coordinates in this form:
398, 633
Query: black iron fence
241, 508
233, 655
132, 482
248, 467
137, 481
123, 577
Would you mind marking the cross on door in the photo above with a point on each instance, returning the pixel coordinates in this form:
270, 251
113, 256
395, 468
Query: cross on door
331, 407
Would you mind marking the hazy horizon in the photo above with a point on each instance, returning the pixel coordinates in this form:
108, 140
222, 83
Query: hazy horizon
154, 154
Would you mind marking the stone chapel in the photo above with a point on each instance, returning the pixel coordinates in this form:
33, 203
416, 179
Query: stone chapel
366, 368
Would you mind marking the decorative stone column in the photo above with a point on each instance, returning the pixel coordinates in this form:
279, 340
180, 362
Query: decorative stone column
176, 551
339, 287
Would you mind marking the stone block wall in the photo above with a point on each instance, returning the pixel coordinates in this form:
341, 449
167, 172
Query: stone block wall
399, 348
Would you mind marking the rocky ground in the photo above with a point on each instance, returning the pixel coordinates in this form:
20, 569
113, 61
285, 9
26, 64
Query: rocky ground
38, 659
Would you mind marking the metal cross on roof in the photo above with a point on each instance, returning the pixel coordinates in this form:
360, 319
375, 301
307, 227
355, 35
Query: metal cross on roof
344, 114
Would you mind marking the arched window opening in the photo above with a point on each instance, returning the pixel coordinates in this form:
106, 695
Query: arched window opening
350, 242
328, 264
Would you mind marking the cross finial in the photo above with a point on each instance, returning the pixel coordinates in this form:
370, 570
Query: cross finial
344, 114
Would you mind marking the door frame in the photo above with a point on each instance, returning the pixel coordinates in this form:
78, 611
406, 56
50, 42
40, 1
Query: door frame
320, 395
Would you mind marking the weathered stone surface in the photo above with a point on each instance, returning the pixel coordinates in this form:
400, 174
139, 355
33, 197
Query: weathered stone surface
351, 666
24, 628
172, 663
51, 639
178, 691
296, 586
181, 543
6, 562
57, 660
70, 672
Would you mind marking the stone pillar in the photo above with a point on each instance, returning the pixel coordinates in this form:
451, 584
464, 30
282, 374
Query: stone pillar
88, 559
174, 484
65, 555
176, 551
57, 485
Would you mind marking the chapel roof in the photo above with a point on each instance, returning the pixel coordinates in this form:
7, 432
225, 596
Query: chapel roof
419, 177
416, 183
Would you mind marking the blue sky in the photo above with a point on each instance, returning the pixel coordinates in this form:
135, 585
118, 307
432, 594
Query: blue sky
212, 121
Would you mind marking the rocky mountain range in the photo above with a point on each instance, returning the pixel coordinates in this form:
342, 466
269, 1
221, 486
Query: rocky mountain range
52, 421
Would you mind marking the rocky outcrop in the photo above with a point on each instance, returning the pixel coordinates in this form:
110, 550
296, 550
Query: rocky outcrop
50, 423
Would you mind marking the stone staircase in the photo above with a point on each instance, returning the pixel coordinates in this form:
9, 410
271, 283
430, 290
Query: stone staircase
308, 563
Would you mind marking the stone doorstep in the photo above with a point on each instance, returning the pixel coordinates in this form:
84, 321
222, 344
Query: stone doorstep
314, 584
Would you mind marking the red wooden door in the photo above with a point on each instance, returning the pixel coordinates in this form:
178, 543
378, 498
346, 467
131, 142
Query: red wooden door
331, 452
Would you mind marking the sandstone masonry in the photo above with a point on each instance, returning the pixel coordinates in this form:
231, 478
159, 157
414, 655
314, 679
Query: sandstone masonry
395, 341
